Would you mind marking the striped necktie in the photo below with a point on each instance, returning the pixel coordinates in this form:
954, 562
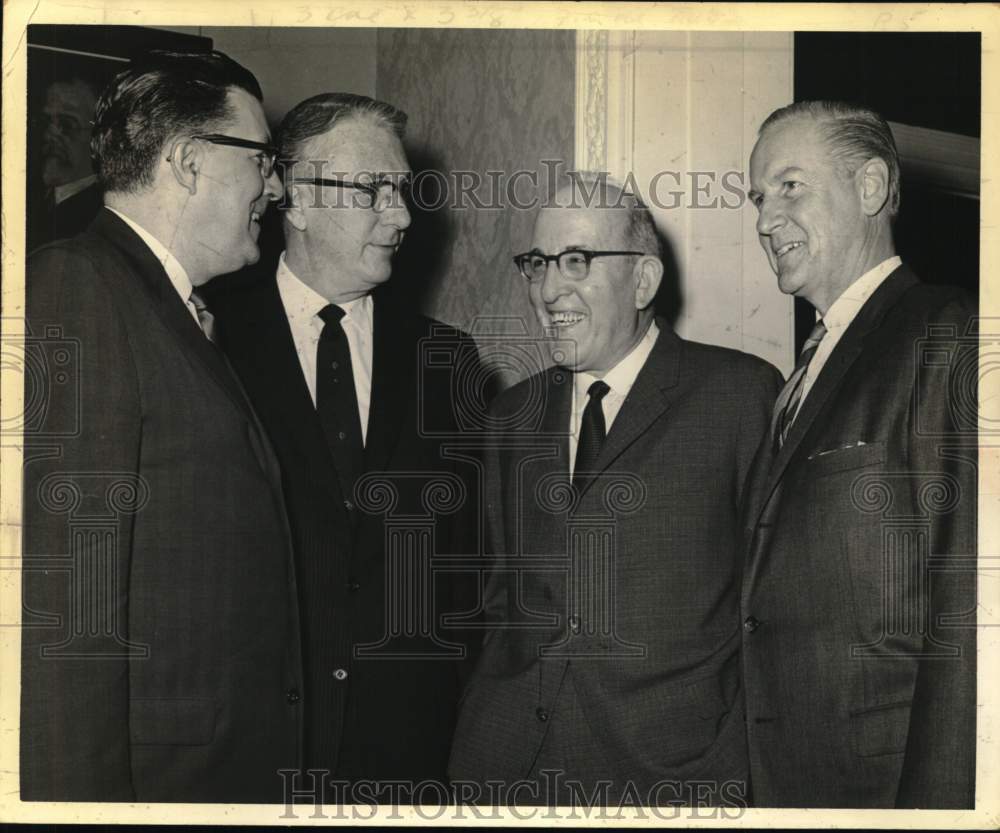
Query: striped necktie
790, 397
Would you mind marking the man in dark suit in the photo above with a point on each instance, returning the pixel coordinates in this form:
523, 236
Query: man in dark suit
72, 196
611, 669
161, 657
859, 592
344, 381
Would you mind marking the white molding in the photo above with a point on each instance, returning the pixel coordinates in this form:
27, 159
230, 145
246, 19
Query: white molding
605, 101
591, 118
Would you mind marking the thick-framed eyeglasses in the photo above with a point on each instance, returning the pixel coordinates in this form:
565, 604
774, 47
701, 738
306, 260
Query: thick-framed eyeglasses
377, 196
265, 159
574, 264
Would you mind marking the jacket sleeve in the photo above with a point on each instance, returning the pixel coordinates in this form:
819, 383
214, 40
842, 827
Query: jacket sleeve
81, 489
940, 761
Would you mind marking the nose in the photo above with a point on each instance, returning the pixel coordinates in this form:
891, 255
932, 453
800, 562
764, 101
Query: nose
397, 213
554, 285
769, 218
272, 186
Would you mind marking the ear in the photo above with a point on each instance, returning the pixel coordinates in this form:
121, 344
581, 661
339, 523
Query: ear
648, 272
291, 205
186, 158
874, 186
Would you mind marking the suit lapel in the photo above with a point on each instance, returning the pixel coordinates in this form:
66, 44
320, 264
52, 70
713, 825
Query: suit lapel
281, 389
168, 304
646, 401
839, 362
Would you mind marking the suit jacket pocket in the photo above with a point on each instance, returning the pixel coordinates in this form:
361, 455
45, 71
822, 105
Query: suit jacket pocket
825, 462
172, 721
881, 730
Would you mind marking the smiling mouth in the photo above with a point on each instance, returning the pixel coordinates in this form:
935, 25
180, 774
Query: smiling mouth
788, 247
565, 319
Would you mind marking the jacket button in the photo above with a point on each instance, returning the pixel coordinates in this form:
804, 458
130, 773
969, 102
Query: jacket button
574, 624
293, 696
340, 674
541, 714
348, 505
750, 624
353, 585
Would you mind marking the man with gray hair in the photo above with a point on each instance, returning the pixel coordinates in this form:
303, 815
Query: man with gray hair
610, 672
859, 594
337, 370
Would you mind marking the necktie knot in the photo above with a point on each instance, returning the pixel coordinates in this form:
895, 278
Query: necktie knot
598, 390
331, 314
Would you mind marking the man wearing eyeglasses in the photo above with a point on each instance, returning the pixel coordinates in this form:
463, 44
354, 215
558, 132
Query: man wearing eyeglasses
72, 196
161, 655
611, 669
337, 372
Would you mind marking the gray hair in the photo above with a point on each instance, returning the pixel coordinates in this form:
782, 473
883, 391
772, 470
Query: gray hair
599, 190
854, 134
321, 113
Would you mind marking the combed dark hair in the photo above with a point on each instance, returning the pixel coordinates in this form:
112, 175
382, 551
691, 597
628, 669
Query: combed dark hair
160, 95
854, 133
321, 113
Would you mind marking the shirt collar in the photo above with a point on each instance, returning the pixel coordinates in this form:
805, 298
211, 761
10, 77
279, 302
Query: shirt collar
843, 311
303, 303
623, 375
64, 192
171, 265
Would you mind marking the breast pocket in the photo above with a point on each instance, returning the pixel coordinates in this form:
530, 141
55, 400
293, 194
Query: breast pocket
830, 461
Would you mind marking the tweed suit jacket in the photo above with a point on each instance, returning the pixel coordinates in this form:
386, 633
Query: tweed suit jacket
643, 618
160, 640
859, 589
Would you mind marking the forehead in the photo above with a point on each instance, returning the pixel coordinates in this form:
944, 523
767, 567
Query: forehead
248, 120
796, 143
357, 145
70, 97
560, 227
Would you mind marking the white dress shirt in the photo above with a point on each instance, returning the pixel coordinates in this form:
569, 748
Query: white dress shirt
175, 272
840, 315
619, 379
64, 192
302, 307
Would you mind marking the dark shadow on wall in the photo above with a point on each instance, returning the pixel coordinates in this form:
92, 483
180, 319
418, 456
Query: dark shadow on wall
668, 302
424, 257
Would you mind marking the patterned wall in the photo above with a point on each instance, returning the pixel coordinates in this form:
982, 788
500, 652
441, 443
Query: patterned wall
479, 101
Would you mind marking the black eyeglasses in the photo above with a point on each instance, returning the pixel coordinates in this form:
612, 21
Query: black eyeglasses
265, 159
573, 264
377, 196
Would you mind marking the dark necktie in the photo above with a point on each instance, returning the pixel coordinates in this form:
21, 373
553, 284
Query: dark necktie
592, 434
337, 401
205, 318
788, 400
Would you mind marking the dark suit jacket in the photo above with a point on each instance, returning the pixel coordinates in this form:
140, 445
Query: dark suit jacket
616, 619
858, 694
67, 219
160, 649
373, 594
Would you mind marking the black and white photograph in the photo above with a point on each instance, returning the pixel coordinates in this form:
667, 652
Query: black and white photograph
500, 413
